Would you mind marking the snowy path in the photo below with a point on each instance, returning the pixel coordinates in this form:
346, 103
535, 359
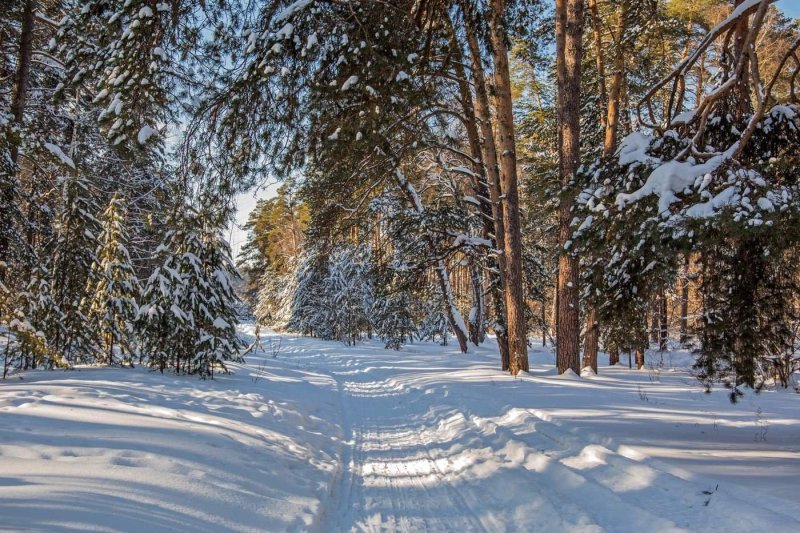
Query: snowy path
419, 459
334, 438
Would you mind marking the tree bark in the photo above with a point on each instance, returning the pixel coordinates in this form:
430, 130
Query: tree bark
592, 339
743, 104
569, 29
23, 74
476, 331
639, 358
610, 122
613, 355
514, 298
663, 332
599, 59
615, 91
480, 188
684, 291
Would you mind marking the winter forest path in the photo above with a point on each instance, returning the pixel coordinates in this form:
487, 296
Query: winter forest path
436, 441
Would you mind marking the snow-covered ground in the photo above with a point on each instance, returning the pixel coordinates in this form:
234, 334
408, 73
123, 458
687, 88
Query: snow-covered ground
328, 437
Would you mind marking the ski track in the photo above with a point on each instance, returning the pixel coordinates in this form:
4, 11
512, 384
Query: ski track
416, 460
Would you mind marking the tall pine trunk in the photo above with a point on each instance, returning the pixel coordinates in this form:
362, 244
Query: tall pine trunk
23, 74
514, 297
569, 30
491, 166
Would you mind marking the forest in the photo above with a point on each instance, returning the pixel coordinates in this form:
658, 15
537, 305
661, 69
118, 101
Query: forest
399, 265
603, 176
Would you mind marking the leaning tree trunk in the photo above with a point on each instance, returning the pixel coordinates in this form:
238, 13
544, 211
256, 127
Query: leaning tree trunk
480, 189
489, 152
454, 318
514, 297
569, 30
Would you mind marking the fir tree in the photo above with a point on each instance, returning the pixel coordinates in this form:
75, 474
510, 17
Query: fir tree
113, 287
188, 312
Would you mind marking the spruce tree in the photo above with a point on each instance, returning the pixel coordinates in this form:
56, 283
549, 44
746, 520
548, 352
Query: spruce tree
113, 287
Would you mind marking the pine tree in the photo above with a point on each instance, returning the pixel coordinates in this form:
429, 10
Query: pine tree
73, 253
113, 287
160, 322
209, 297
187, 319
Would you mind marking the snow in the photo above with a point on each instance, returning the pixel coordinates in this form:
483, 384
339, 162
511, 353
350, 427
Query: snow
633, 149
328, 437
672, 177
685, 117
145, 133
59, 153
349, 82
293, 8
725, 198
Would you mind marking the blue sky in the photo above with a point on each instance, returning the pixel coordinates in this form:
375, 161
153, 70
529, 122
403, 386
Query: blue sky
790, 7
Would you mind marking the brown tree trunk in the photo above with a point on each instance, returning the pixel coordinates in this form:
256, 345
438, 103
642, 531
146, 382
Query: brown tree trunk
479, 186
617, 78
613, 355
492, 169
569, 29
23, 74
453, 316
514, 298
599, 59
476, 332
663, 332
592, 339
639, 358
684, 291
19, 98
743, 104
610, 121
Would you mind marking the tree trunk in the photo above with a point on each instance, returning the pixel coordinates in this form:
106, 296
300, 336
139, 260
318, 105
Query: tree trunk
684, 291
599, 59
615, 91
479, 185
23, 74
742, 91
569, 29
19, 98
514, 298
613, 355
663, 332
610, 121
454, 318
592, 339
492, 171
476, 333
639, 358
